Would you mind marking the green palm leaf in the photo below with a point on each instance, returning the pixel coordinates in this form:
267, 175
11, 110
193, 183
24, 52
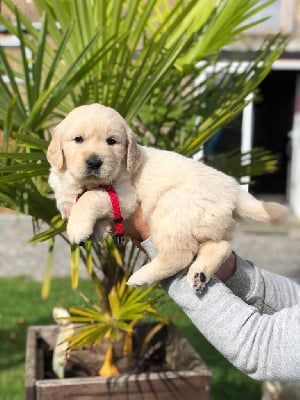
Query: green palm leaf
144, 58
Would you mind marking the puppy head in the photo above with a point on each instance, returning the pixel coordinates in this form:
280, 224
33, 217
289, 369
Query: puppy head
94, 144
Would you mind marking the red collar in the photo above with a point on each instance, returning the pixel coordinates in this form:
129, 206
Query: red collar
117, 215
115, 204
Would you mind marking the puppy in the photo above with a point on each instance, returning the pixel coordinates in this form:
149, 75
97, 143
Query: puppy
191, 208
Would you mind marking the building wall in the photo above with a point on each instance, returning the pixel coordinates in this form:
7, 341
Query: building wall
289, 23
26, 6
286, 19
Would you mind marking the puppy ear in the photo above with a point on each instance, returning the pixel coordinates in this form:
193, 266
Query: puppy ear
55, 154
134, 156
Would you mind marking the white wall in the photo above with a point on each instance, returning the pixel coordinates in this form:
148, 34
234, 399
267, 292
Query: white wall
294, 183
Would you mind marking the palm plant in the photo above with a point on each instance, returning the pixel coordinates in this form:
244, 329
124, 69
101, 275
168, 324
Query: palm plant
144, 58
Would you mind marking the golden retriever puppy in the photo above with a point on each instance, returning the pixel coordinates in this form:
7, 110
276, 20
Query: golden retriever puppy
191, 208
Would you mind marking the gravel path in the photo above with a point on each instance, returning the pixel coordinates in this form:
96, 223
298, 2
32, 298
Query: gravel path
19, 258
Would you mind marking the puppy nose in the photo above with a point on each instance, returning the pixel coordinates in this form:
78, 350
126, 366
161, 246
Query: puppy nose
93, 163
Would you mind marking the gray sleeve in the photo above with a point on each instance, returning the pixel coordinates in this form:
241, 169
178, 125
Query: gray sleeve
263, 346
267, 292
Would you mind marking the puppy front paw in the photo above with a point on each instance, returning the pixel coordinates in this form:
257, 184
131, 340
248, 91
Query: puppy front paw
79, 230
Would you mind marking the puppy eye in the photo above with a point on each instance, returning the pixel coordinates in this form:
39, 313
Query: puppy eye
111, 141
78, 139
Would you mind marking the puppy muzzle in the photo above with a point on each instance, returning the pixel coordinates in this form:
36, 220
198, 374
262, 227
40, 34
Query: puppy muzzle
93, 164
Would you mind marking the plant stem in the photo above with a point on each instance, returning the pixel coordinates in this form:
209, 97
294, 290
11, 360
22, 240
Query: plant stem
108, 367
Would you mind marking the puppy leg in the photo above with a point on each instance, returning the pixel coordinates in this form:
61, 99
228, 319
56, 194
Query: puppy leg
161, 267
209, 259
92, 206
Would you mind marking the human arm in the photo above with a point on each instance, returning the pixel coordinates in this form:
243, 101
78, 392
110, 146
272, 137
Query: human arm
266, 291
262, 346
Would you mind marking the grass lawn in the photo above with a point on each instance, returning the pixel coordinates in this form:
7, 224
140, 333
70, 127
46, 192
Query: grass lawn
21, 306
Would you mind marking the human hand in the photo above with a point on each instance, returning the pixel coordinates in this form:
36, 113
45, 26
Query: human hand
136, 227
227, 269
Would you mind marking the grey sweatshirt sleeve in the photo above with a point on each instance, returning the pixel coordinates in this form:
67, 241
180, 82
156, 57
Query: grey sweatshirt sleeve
267, 292
263, 346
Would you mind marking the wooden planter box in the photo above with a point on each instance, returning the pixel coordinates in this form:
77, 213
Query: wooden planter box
188, 379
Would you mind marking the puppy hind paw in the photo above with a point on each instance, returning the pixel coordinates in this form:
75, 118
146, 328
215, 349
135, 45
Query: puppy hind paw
199, 281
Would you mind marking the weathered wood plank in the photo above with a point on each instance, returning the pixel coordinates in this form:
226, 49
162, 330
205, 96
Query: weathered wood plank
189, 379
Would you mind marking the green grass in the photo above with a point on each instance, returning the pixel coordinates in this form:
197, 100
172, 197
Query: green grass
21, 306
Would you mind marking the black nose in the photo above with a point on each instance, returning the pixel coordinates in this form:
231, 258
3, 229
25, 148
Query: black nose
94, 162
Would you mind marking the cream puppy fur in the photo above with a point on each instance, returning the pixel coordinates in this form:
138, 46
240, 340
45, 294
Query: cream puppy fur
191, 208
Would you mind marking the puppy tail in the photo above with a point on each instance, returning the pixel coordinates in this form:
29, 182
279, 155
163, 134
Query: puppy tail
248, 207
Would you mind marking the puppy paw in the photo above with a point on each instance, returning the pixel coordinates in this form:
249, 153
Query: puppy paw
138, 279
197, 279
78, 231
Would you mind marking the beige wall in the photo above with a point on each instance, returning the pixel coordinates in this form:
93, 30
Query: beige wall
294, 43
290, 26
26, 6
250, 42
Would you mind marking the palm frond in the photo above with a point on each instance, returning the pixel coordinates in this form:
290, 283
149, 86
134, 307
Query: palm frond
253, 163
127, 306
144, 58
